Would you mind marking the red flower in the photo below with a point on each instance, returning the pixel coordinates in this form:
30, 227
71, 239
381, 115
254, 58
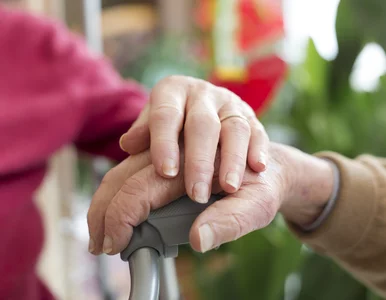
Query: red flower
204, 14
261, 22
263, 79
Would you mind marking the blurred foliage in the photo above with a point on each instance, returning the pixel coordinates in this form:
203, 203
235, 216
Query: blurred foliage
318, 102
262, 261
323, 111
168, 55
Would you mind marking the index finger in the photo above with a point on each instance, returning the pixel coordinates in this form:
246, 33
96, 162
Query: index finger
140, 194
109, 187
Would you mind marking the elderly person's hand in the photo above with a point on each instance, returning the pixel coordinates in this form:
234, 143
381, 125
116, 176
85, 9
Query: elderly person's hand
207, 115
294, 183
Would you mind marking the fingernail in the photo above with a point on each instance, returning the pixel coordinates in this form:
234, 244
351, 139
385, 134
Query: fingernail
233, 179
121, 142
263, 159
201, 192
91, 245
107, 244
206, 237
169, 167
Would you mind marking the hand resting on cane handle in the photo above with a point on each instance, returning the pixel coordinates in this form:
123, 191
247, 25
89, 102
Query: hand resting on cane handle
133, 188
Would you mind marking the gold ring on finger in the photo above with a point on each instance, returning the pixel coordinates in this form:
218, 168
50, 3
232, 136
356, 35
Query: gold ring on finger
233, 116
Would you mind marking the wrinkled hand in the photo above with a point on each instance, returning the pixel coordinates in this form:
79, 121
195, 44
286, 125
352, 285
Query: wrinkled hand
295, 183
208, 115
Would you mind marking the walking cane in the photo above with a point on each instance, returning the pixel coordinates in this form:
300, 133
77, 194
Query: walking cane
154, 246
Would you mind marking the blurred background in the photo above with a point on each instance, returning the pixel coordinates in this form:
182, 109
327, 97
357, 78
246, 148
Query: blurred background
314, 71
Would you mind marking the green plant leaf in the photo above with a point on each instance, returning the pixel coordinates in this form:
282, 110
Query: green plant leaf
322, 280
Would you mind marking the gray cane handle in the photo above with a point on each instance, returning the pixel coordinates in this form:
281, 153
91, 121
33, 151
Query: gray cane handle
167, 227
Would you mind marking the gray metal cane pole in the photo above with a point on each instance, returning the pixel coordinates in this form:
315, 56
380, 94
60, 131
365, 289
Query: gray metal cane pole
152, 277
169, 288
144, 271
164, 231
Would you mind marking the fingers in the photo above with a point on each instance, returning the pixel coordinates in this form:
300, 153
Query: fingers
166, 118
258, 146
140, 194
160, 124
137, 139
234, 140
201, 137
232, 217
110, 185
259, 142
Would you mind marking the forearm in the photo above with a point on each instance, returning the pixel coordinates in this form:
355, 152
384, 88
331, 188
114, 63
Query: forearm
68, 94
353, 233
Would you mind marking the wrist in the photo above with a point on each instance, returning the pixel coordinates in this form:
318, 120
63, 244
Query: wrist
310, 183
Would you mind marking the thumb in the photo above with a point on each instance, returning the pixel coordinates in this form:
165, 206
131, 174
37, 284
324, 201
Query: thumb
231, 218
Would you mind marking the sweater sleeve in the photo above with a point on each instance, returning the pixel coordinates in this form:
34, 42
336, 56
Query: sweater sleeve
354, 233
54, 91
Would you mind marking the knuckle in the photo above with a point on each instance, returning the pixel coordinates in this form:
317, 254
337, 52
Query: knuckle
202, 93
122, 213
259, 130
205, 121
227, 95
243, 219
247, 108
162, 142
234, 99
171, 80
111, 217
240, 224
202, 86
168, 88
168, 109
239, 127
202, 165
134, 188
165, 114
236, 158
115, 219
268, 212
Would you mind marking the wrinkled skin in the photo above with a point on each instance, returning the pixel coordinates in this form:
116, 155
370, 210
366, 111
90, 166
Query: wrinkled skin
205, 116
258, 178
133, 188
